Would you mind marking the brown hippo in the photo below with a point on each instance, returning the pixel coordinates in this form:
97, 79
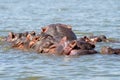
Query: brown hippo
109, 50
10, 37
31, 35
64, 47
95, 39
52, 39
47, 44
100, 38
20, 40
84, 45
14, 36
58, 31
43, 43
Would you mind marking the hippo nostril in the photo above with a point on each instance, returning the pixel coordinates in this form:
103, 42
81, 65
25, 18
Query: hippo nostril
93, 46
44, 29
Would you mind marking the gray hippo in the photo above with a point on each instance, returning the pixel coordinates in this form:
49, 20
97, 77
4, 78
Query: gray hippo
58, 31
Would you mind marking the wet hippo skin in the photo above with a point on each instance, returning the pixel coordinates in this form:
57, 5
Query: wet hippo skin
109, 50
82, 52
58, 31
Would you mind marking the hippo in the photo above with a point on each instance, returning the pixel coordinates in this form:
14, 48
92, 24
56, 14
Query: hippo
84, 45
43, 44
10, 37
100, 38
14, 36
64, 47
20, 40
51, 38
95, 39
58, 31
109, 50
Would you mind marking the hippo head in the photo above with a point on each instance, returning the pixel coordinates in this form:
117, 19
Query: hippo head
64, 47
85, 45
11, 36
107, 50
101, 38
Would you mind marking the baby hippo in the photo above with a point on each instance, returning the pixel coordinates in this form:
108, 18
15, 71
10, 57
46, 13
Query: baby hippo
14, 36
94, 39
99, 38
83, 48
109, 50
84, 45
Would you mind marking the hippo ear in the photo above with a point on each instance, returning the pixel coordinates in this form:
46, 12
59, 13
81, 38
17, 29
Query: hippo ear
11, 35
69, 27
73, 44
44, 29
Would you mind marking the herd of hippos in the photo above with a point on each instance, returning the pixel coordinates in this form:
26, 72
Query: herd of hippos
58, 39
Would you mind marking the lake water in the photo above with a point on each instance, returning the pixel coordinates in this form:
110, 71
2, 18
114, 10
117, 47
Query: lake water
86, 17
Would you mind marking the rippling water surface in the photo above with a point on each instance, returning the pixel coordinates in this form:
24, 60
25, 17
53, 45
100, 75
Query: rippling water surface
86, 16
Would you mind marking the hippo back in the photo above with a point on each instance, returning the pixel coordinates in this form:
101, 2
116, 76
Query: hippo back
58, 31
